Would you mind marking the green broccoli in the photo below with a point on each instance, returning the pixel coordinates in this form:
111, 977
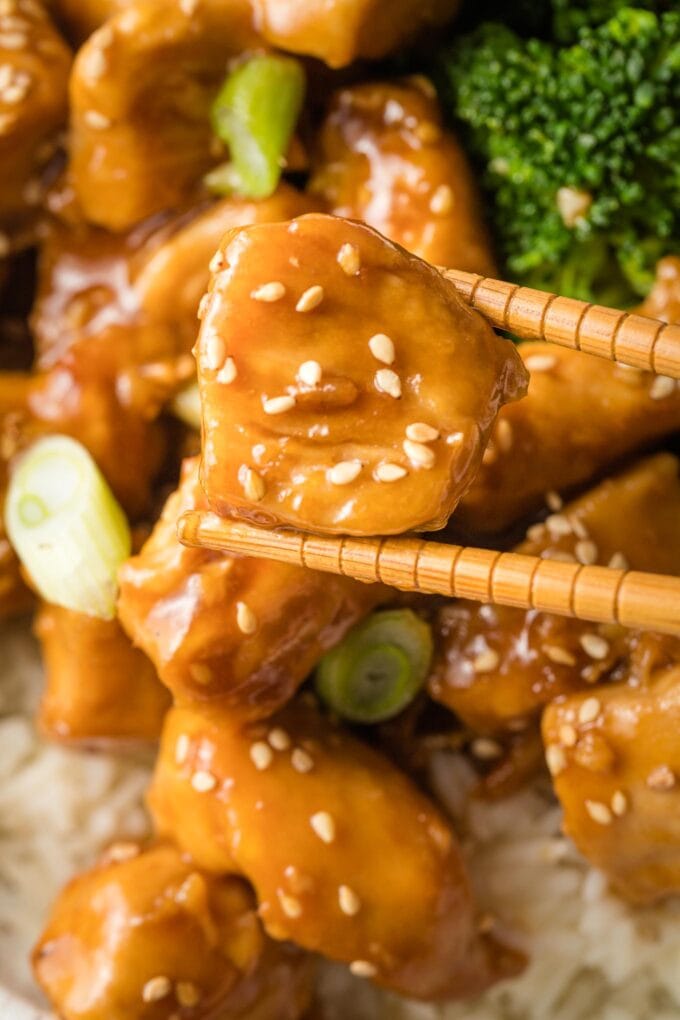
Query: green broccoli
579, 147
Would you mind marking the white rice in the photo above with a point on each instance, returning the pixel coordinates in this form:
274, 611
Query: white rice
592, 956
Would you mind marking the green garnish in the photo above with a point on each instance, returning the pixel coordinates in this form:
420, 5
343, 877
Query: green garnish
255, 114
66, 526
379, 667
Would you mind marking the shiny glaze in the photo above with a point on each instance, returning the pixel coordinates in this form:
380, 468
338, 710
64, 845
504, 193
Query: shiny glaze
38, 74
181, 606
97, 686
663, 300
140, 98
622, 767
82, 17
384, 157
145, 914
413, 915
453, 370
636, 513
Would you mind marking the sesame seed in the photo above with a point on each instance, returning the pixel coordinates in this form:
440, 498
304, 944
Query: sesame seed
349, 259
362, 968
189, 8
559, 655
323, 825
215, 351
568, 735
619, 803
290, 905
586, 551
203, 781
13, 41
261, 755
599, 812
227, 373
573, 204
486, 749
390, 472
558, 525
504, 434
279, 405
279, 739
535, 532
419, 454
201, 673
419, 432
311, 299
350, 903
187, 993
123, 851
618, 562
182, 748
253, 484
246, 621
269, 292
203, 306
382, 348
661, 778
310, 372
95, 62
217, 262
441, 202
578, 527
344, 472
558, 555
486, 661
662, 386
594, 646
96, 120
555, 759
428, 132
553, 500
540, 362
589, 710
157, 988
301, 761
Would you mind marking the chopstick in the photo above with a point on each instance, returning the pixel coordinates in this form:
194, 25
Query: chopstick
606, 332
599, 594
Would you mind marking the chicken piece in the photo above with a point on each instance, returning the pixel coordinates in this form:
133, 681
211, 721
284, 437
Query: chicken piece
243, 631
338, 33
279, 801
34, 70
304, 422
615, 759
141, 92
497, 666
663, 301
383, 157
145, 935
82, 17
98, 687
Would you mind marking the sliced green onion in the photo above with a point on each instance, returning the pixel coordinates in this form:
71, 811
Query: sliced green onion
255, 114
66, 526
379, 667
186, 405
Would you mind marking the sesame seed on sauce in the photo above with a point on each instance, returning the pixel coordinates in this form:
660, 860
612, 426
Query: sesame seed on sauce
420, 432
182, 748
187, 994
589, 710
382, 348
279, 405
227, 373
290, 905
123, 851
349, 259
246, 620
594, 646
555, 759
310, 373
442, 201
586, 552
344, 472
95, 63
558, 555
428, 132
558, 525
599, 812
301, 761
540, 362
261, 755
535, 532
310, 299
419, 454
323, 825
362, 968
560, 656
568, 735
661, 778
217, 262
203, 306
662, 386
203, 781
578, 527
201, 673
390, 472
278, 739
269, 292
619, 803
618, 562
156, 988
348, 900
215, 351
486, 661
252, 483
553, 501
486, 749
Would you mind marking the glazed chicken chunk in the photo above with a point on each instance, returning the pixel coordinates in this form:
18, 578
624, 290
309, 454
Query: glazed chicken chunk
243, 631
497, 666
385, 892
145, 935
384, 157
345, 386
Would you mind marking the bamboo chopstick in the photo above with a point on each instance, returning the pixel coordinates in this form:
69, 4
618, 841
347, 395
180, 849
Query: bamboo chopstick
606, 332
601, 594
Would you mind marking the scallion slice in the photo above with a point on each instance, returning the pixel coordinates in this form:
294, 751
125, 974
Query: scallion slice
378, 669
255, 114
66, 526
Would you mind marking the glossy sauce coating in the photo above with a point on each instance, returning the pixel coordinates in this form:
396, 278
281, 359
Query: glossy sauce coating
145, 935
82, 17
97, 686
617, 773
497, 666
384, 157
663, 300
345, 386
243, 631
346, 856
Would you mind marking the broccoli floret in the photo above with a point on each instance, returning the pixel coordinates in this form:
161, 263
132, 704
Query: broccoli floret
570, 16
580, 149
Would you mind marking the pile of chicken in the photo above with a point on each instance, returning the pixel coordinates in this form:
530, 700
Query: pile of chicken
345, 388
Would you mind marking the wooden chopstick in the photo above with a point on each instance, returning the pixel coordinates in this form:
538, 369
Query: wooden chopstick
606, 332
601, 594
